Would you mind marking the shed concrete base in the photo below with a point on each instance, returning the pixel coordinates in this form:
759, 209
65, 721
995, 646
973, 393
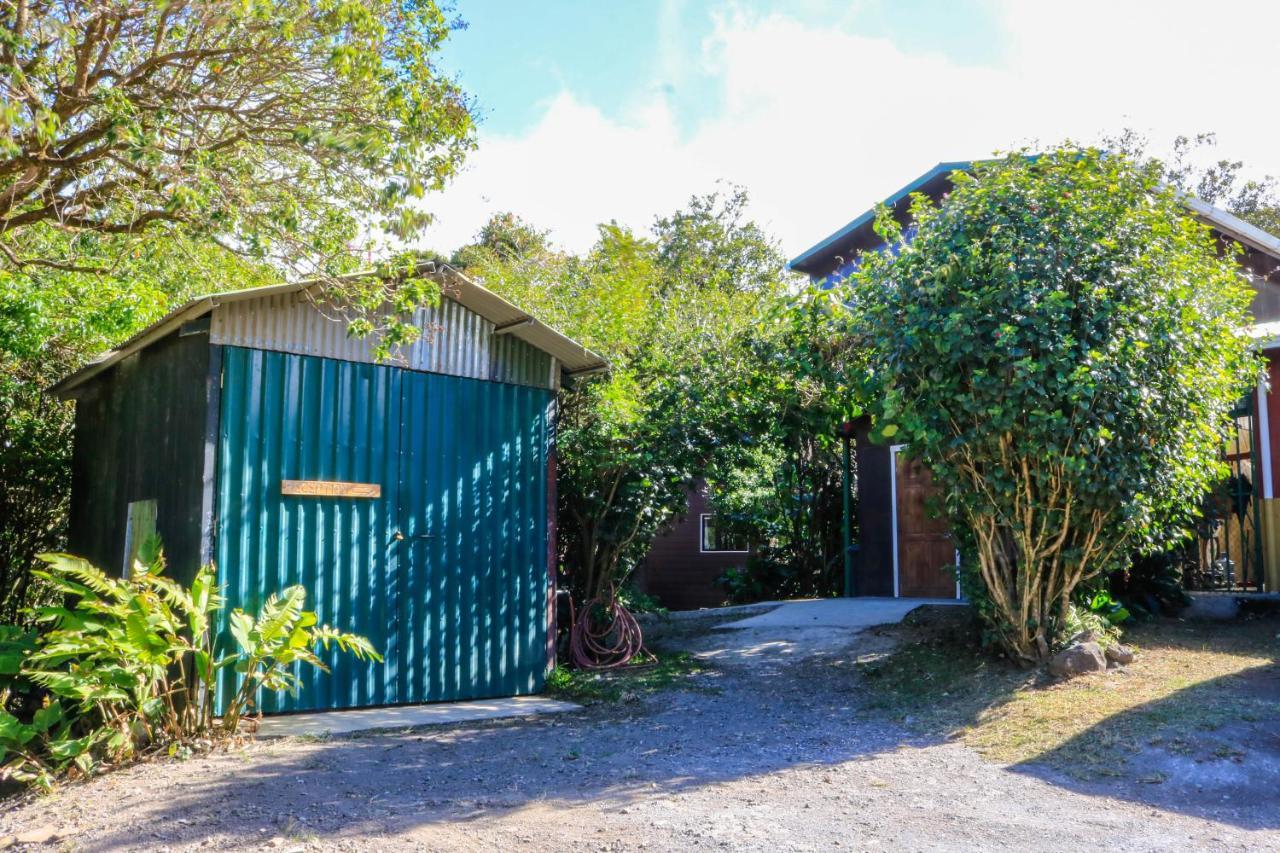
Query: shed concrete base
855, 613
407, 716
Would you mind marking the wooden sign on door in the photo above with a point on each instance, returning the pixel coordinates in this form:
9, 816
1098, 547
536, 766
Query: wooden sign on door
330, 489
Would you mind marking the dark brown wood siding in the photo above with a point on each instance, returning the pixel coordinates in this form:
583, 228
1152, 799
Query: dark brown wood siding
677, 572
140, 434
873, 561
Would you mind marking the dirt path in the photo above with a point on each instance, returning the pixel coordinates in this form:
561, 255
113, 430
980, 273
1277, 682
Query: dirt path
767, 751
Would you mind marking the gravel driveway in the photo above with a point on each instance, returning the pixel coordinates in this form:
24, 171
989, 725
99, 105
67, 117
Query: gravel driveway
768, 750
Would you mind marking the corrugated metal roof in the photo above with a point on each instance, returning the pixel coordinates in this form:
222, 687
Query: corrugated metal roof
238, 321
454, 340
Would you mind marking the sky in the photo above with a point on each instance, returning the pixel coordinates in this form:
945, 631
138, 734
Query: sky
620, 110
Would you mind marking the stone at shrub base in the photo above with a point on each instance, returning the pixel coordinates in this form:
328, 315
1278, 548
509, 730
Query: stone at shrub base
1077, 659
1119, 654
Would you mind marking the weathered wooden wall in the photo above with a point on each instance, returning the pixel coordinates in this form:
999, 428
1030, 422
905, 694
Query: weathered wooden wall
140, 434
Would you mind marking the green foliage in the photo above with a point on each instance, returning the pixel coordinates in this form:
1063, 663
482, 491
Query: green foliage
1220, 182
790, 388
1062, 345
1153, 583
1080, 619
128, 665
640, 602
669, 313
267, 647
51, 321
273, 126
1101, 603
15, 645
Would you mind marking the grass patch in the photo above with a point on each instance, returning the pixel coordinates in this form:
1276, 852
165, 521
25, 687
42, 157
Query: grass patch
628, 683
1189, 679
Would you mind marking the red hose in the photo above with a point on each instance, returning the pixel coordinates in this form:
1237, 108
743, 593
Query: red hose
606, 636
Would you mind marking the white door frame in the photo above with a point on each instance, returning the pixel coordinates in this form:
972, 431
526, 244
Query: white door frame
893, 513
1263, 438
893, 509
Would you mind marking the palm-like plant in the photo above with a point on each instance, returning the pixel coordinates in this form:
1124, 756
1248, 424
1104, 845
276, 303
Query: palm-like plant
282, 634
132, 652
130, 664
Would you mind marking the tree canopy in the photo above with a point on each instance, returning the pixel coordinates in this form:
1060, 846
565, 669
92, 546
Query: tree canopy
276, 127
50, 321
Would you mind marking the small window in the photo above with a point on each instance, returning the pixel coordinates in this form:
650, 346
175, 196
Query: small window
714, 539
139, 529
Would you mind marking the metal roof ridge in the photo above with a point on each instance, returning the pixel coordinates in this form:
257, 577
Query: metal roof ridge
1226, 221
1234, 226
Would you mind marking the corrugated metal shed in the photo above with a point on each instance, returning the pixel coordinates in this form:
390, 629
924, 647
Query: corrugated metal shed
414, 500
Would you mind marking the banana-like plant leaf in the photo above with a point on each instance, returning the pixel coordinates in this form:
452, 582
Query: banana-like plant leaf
242, 625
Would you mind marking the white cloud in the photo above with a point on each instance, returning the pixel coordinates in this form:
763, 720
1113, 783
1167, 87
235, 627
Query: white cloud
818, 123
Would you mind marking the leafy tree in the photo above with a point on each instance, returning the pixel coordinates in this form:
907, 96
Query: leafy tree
1061, 344
632, 442
712, 245
1221, 182
51, 321
151, 149
789, 385
271, 125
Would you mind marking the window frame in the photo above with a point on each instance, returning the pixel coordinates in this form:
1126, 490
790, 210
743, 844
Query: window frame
703, 518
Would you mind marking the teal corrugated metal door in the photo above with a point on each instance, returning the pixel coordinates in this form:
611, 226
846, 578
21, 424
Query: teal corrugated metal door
458, 605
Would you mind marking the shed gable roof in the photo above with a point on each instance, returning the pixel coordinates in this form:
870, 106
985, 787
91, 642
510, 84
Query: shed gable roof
239, 306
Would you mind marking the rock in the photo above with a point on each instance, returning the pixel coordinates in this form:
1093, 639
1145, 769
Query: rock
1083, 637
1078, 659
39, 835
1119, 653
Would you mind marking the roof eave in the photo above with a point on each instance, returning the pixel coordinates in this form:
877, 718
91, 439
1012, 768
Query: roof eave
1234, 227
799, 262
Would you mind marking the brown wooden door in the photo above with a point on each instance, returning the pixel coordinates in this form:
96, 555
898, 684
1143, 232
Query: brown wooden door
926, 554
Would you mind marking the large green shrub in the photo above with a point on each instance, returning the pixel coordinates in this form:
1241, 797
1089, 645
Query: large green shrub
1061, 343
779, 483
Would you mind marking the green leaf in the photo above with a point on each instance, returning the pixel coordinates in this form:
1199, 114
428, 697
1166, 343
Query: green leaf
47, 717
242, 626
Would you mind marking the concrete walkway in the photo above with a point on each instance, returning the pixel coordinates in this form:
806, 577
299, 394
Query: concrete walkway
407, 716
855, 613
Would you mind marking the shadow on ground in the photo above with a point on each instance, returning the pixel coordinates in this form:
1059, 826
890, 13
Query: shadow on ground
1205, 744
1210, 750
806, 699
763, 704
